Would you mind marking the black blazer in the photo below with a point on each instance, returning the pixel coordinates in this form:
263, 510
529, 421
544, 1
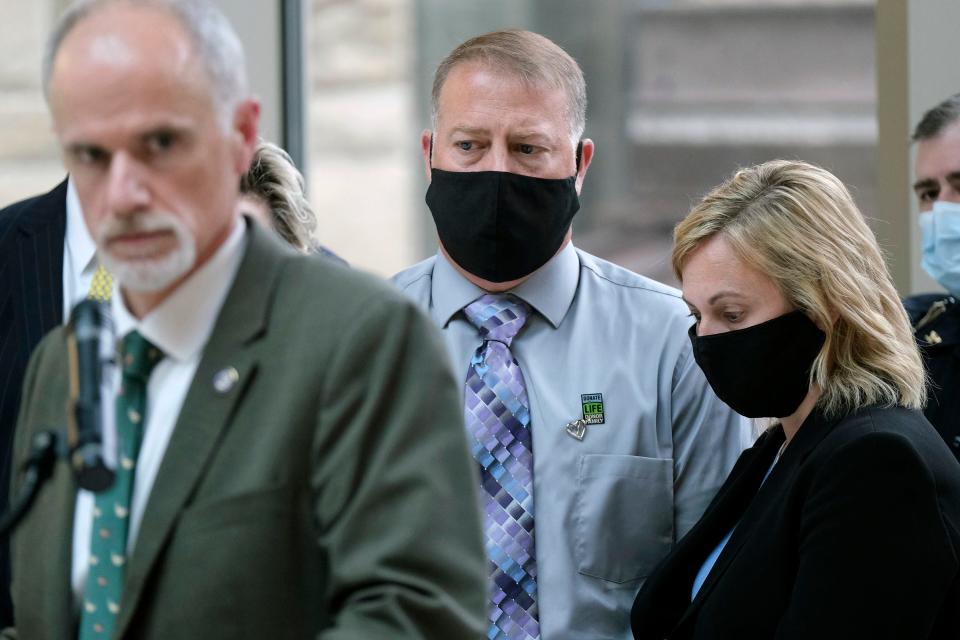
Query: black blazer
936, 322
855, 534
31, 304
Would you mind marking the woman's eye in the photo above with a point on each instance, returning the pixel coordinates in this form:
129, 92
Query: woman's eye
465, 145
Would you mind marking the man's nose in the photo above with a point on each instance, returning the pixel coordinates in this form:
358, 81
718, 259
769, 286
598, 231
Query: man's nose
127, 192
949, 195
497, 158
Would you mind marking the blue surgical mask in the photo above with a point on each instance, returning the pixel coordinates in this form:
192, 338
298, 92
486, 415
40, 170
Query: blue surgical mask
940, 233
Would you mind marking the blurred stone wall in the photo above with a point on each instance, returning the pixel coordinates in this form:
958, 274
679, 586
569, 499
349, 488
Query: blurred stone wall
29, 159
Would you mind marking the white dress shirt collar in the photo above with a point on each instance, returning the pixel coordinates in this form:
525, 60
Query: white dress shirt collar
82, 246
79, 254
181, 325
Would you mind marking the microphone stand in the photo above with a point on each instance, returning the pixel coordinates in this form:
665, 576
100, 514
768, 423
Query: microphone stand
46, 448
90, 348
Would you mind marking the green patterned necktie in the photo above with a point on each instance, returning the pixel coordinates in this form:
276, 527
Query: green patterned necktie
111, 511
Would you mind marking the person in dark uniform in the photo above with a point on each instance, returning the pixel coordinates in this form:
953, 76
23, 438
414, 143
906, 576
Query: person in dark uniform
936, 316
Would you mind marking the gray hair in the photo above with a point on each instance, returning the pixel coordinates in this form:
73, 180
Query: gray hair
215, 43
274, 179
534, 59
937, 119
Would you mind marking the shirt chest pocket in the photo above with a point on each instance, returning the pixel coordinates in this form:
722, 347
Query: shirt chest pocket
623, 515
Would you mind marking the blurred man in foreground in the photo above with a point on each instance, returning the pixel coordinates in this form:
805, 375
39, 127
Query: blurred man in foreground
288, 461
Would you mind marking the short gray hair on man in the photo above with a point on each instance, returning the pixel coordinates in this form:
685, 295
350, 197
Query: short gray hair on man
937, 119
536, 60
215, 43
274, 179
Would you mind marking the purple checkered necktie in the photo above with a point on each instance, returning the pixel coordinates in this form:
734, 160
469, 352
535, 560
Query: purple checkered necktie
498, 421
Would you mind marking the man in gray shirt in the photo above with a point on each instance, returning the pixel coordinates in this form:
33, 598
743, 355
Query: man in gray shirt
598, 439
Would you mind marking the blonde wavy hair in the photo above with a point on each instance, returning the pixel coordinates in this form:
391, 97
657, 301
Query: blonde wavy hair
798, 224
274, 179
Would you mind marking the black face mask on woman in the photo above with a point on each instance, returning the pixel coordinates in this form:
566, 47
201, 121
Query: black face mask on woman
501, 226
762, 371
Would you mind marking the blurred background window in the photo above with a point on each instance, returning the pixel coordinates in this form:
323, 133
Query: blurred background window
682, 92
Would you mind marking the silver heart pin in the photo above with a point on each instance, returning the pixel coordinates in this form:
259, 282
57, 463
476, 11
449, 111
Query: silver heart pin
577, 429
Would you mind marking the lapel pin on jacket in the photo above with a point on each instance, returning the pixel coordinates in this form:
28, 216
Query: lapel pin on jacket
225, 380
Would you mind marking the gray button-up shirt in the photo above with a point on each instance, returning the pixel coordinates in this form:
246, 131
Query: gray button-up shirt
607, 508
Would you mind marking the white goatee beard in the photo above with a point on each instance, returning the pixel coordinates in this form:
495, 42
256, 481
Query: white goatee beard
149, 274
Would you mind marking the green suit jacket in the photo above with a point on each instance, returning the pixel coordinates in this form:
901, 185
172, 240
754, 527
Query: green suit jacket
329, 493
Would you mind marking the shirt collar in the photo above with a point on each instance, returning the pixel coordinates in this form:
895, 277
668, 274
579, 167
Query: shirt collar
450, 290
182, 324
550, 290
82, 248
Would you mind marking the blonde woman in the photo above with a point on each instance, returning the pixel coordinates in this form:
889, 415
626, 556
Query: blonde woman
842, 520
273, 192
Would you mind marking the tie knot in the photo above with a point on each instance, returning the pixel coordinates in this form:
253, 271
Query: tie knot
498, 316
140, 356
101, 286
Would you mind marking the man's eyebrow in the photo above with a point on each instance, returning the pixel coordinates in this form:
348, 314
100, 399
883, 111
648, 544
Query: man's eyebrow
926, 183
470, 131
163, 129
166, 125
525, 134
79, 146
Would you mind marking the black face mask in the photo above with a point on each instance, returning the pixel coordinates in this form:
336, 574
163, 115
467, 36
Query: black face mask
501, 226
762, 371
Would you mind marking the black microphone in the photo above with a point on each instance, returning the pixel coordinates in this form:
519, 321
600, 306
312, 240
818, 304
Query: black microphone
91, 353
